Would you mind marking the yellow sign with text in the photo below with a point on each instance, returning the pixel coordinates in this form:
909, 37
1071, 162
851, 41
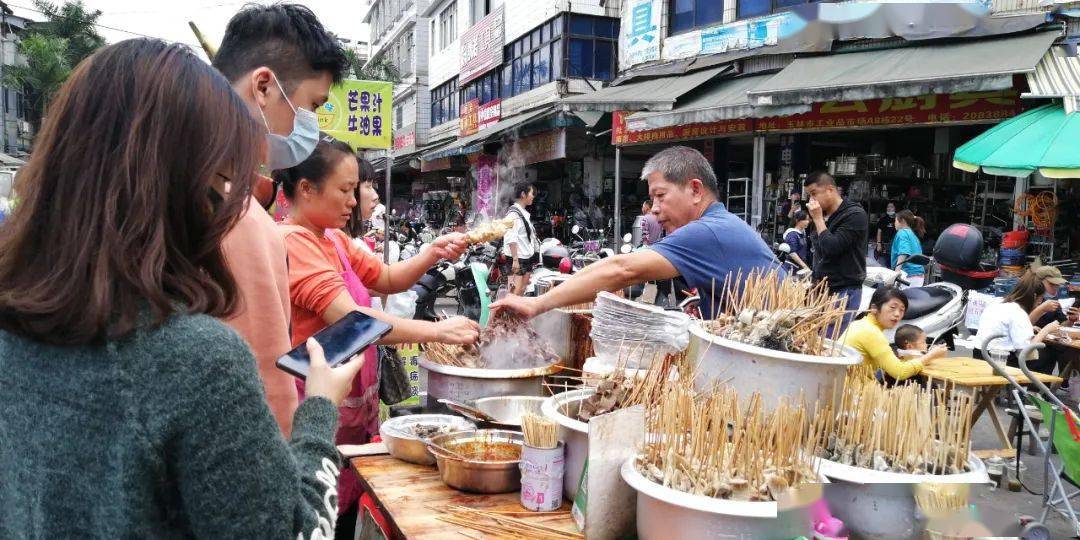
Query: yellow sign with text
358, 112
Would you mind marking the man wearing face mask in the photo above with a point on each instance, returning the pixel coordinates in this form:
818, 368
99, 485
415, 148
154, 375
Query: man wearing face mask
281, 62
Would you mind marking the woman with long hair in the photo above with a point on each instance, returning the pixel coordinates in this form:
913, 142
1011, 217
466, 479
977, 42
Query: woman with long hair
867, 336
909, 228
128, 408
1014, 318
330, 277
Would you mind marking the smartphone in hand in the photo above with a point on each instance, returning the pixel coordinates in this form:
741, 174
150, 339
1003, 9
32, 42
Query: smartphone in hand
340, 341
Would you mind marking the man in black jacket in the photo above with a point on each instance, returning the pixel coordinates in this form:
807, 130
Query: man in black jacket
840, 243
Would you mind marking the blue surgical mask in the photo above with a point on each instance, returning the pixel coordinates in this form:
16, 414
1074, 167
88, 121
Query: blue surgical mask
290, 151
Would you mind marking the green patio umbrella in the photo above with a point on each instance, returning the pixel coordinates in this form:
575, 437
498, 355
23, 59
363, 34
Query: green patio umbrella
1046, 139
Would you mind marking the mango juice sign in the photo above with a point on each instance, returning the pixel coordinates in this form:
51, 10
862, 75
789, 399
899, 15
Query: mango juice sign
358, 112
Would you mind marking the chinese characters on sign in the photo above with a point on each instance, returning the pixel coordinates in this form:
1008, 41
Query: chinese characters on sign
358, 112
475, 117
620, 135
964, 107
470, 118
640, 34
405, 137
481, 47
546, 146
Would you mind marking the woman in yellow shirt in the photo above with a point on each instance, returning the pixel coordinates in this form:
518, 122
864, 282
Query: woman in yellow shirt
867, 336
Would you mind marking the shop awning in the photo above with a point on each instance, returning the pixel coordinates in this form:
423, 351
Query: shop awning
968, 66
475, 142
1057, 76
1042, 139
657, 94
717, 100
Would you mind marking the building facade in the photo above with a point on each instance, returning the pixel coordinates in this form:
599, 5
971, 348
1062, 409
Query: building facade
16, 132
760, 87
400, 35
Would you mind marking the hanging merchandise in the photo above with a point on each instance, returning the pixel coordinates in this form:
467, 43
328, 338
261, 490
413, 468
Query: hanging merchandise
1041, 208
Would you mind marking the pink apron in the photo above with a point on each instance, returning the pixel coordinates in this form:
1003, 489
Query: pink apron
358, 415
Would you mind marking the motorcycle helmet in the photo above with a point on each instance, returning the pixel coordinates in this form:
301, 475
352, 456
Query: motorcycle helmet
553, 256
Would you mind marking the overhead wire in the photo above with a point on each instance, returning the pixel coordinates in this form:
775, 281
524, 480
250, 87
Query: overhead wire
107, 27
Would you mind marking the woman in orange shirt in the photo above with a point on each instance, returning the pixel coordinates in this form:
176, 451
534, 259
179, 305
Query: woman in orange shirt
330, 277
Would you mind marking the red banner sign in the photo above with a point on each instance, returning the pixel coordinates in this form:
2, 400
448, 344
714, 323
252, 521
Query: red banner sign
621, 135
960, 108
964, 107
490, 113
404, 139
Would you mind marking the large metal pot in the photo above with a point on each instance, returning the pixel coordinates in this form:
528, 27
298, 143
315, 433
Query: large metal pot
663, 512
773, 374
403, 444
573, 432
881, 505
508, 410
478, 476
465, 384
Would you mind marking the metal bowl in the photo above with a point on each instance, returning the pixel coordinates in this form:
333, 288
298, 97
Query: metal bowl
473, 475
508, 410
403, 444
464, 384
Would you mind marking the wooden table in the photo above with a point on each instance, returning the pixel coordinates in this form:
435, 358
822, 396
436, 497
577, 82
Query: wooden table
1069, 349
978, 378
413, 497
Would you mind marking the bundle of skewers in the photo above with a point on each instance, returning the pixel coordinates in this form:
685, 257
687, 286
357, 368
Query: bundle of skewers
902, 429
467, 356
708, 445
786, 315
619, 390
505, 524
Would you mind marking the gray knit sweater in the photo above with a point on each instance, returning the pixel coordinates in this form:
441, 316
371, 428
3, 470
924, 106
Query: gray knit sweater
162, 434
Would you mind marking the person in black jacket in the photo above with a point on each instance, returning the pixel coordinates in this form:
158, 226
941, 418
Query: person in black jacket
840, 244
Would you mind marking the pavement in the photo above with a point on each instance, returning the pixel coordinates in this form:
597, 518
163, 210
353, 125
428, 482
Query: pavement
1001, 508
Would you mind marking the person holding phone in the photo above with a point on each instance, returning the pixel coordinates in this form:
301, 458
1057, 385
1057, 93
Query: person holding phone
129, 408
330, 277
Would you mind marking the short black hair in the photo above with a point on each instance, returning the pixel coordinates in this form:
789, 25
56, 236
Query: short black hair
368, 172
820, 178
798, 216
906, 335
883, 294
328, 153
287, 38
522, 189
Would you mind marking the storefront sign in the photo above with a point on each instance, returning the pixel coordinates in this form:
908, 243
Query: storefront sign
620, 135
682, 46
481, 47
435, 164
639, 39
487, 184
405, 137
736, 36
960, 108
469, 121
358, 112
490, 113
546, 146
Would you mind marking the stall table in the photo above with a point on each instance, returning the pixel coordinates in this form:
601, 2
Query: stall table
978, 378
1070, 351
413, 497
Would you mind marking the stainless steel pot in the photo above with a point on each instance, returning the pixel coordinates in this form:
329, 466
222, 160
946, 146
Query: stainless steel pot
403, 444
478, 476
507, 410
465, 384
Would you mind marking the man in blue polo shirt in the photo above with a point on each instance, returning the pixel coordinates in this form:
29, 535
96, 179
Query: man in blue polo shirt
705, 243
